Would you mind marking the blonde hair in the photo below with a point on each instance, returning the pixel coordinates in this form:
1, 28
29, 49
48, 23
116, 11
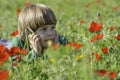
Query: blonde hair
35, 16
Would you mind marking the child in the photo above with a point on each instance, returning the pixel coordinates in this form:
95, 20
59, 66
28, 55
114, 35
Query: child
6, 43
36, 26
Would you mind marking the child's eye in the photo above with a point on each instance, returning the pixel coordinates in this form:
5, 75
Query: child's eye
44, 29
53, 27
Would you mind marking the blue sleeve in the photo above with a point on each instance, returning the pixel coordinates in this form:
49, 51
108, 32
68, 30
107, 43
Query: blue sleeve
62, 40
7, 43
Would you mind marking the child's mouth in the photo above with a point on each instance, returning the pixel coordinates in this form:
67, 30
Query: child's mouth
49, 43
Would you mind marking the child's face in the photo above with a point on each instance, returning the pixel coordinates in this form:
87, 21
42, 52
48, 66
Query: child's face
46, 32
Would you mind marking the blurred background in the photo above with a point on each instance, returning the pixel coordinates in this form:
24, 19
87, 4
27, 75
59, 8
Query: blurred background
74, 17
66, 11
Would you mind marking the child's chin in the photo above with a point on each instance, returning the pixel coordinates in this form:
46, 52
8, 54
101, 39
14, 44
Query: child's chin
46, 44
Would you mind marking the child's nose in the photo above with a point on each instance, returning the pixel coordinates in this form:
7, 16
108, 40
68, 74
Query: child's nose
50, 33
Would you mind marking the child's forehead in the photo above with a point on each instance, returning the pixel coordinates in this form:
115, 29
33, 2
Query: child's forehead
46, 26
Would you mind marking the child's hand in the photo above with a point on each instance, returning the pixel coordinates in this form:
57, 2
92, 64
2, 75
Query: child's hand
35, 43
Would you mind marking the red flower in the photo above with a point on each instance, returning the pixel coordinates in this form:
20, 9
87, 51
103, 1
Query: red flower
87, 5
77, 45
55, 46
112, 75
18, 11
116, 8
0, 26
58, 8
4, 57
4, 74
69, 44
1, 63
101, 72
27, 3
15, 64
113, 28
95, 27
13, 51
104, 4
23, 51
96, 37
98, 1
117, 37
105, 50
2, 48
15, 33
82, 21
18, 58
98, 57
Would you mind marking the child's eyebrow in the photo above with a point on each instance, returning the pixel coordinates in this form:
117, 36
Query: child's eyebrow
49, 26
46, 26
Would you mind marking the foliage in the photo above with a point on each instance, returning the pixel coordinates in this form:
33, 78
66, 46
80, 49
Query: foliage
90, 55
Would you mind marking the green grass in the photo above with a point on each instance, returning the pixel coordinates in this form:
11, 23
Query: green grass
65, 66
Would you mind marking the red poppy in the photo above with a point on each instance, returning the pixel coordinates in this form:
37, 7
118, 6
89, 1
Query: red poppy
96, 37
1, 63
4, 57
18, 11
95, 27
116, 8
113, 28
98, 57
117, 37
4, 74
18, 58
15, 33
112, 75
55, 46
58, 8
27, 3
2, 48
105, 50
104, 4
13, 51
23, 51
99, 36
82, 21
98, 1
69, 44
15, 64
101, 72
0, 26
87, 5
77, 45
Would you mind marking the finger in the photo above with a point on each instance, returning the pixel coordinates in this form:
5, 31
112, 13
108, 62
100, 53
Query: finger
37, 40
31, 46
40, 38
38, 43
36, 37
30, 36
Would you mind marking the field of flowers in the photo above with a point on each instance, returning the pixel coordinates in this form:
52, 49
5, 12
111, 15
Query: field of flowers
92, 28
